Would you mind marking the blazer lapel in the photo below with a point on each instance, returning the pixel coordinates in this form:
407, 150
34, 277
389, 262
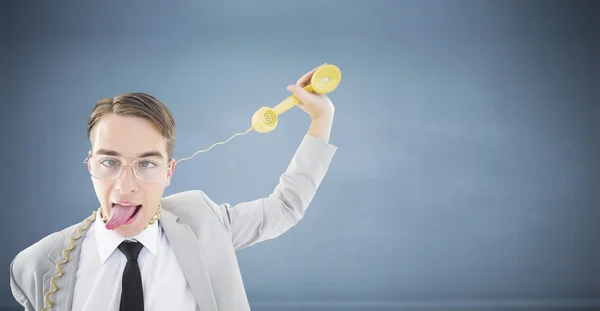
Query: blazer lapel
62, 296
191, 259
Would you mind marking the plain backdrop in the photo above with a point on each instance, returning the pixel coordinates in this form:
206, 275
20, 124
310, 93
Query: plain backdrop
467, 171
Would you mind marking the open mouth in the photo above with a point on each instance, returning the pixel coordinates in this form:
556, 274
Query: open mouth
123, 214
133, 215
137, 209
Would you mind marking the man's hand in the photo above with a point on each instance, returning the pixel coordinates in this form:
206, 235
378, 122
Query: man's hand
318, 107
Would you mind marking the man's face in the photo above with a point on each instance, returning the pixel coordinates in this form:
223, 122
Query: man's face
126, 138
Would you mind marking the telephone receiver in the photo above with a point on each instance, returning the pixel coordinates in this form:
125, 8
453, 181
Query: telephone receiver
324, 80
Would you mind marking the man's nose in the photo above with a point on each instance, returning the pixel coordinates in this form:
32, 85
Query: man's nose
126, 182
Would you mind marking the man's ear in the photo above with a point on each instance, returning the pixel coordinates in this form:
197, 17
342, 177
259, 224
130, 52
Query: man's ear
88, 159
170, 172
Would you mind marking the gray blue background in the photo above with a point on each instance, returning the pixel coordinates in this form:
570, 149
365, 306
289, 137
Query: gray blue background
467, 174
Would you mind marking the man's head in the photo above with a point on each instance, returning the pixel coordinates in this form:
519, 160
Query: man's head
131, 161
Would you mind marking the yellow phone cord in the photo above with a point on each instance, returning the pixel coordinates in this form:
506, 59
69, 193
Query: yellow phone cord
264, 120
219, 143
48, 302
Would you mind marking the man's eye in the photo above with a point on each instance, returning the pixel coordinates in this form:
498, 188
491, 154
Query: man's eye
109, 162
147, 164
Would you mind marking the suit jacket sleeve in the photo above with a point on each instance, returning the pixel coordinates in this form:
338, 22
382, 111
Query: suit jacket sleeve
17, 292
251, 222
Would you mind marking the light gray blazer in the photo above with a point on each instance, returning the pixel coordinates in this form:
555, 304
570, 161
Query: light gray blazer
204, 236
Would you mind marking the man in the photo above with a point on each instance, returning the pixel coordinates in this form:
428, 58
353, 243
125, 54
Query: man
144, 252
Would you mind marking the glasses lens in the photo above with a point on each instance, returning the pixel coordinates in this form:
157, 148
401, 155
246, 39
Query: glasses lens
109, 168
149, 170
105, 167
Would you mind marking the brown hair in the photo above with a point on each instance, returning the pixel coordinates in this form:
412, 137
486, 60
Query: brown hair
139, 105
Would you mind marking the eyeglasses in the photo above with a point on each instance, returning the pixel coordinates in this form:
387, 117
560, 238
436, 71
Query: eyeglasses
110, 167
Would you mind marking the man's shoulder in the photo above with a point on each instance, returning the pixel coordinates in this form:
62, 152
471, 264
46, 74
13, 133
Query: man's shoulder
189, 202
194, 206
36, 256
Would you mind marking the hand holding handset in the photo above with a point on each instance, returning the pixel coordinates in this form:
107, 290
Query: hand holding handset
323, 81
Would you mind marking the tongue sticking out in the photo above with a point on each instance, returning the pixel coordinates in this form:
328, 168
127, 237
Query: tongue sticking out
119, 215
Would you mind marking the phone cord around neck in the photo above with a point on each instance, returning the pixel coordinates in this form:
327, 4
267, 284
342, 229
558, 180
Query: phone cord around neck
65, 253
47, 301
219, 143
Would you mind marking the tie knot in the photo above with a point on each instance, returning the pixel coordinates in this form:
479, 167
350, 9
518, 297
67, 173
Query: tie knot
131, 250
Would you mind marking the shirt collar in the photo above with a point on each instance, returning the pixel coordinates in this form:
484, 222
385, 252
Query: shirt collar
108, 240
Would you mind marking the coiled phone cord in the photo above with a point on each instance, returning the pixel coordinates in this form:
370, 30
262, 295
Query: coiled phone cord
324, 80
219, 143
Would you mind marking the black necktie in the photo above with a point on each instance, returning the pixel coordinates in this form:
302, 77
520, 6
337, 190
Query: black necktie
132, 294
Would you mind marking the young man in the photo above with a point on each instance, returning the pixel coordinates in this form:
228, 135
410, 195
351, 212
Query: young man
141, 251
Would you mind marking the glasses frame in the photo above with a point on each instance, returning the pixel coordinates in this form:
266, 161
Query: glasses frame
123, 164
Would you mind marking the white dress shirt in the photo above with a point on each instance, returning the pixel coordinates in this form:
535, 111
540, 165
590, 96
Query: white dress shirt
101, 265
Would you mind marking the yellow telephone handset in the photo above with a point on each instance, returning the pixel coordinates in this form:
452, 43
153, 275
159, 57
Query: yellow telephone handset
324, 80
